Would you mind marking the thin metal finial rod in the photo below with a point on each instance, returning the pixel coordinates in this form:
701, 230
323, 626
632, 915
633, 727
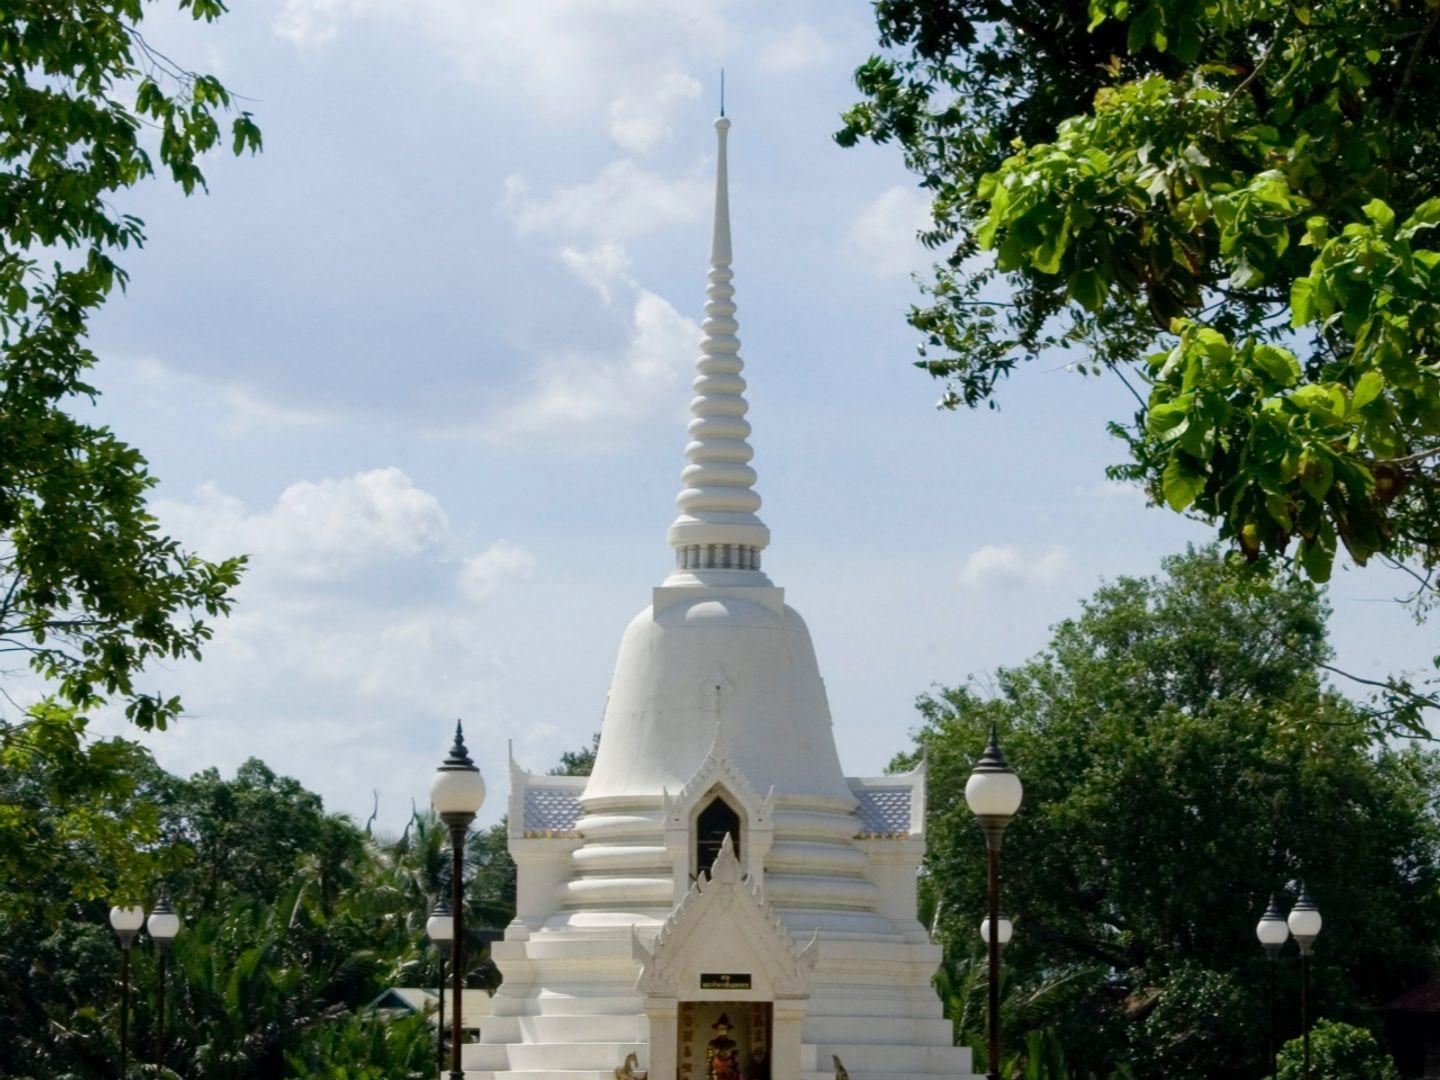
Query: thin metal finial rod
722, 91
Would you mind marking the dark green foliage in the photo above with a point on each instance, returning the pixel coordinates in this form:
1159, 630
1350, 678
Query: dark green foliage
1182, 759
1338, 1052
366, 1048
295, 920
72, 814
578, 762
1232, 206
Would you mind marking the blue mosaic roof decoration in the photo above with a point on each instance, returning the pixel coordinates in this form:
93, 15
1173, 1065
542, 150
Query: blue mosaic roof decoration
884, 812
551, 811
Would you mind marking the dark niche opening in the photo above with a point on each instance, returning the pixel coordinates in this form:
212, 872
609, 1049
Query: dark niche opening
715, 822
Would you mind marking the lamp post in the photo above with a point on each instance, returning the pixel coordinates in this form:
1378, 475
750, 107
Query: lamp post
126, 922
993, 793
163, 925
1304, 924
457, 792
1273, 933
440, 929
1007, 930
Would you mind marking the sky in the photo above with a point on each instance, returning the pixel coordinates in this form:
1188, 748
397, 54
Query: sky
427, 359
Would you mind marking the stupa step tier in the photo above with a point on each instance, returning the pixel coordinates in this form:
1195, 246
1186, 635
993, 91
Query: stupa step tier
538, 1061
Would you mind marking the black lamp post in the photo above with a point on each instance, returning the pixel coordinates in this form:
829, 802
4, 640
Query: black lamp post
163, 925
1304, 924
994, 793
457, 792
440, 929
1273, 933
126, 922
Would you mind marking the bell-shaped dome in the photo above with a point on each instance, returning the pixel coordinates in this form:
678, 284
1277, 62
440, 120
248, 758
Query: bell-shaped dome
733, 658
718, 655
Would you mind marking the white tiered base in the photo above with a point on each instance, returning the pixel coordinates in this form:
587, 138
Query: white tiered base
568, 1010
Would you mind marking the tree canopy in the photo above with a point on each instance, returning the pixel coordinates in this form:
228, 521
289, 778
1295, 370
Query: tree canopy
1183, 758
294, 920
1231, 206
91, 589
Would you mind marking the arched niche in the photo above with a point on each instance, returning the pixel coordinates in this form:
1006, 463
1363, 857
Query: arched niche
715, 819
715, 788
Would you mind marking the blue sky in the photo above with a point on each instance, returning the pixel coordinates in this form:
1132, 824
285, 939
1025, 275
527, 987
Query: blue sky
427, 360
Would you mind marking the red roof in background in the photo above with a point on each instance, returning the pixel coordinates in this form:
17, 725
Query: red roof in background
1425, 998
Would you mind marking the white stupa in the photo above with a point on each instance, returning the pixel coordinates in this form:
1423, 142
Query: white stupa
717, 898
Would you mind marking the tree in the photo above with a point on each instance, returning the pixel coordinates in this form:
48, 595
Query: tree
1182, 759
90, 589
295, 919
1338, 1052
1231, 206
75, 822
579, 762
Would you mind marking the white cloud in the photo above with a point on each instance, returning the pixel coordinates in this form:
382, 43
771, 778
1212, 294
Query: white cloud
322, 530
249, 410
640, 118
1007, 567
800, 47
623, 201
882, 237
309, 23
151, 369
481, 575
307, 678
569, 60
582, 401
229, 407
602, 267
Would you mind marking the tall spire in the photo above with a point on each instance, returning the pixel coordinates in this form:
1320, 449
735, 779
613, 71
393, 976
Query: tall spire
717, 528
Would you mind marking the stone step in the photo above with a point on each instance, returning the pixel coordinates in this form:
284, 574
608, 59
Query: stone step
886, 1030
549, 1057
584, 1028
546, 1003
548, 1074
569, 946
919, 1004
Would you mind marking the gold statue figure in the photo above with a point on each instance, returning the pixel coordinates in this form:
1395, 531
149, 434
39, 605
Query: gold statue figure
722, 1053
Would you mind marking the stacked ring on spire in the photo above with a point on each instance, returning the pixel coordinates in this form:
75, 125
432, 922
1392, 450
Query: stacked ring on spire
717, 527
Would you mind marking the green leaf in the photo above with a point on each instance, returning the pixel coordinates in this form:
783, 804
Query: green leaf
1279, 509
1047, 255
1425, 216
1087, 289
1367, 388
1279, 364
1168, 420
1317, 472
1324, 400
1302, 302
1317, 556
1181, 484
1378, 211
